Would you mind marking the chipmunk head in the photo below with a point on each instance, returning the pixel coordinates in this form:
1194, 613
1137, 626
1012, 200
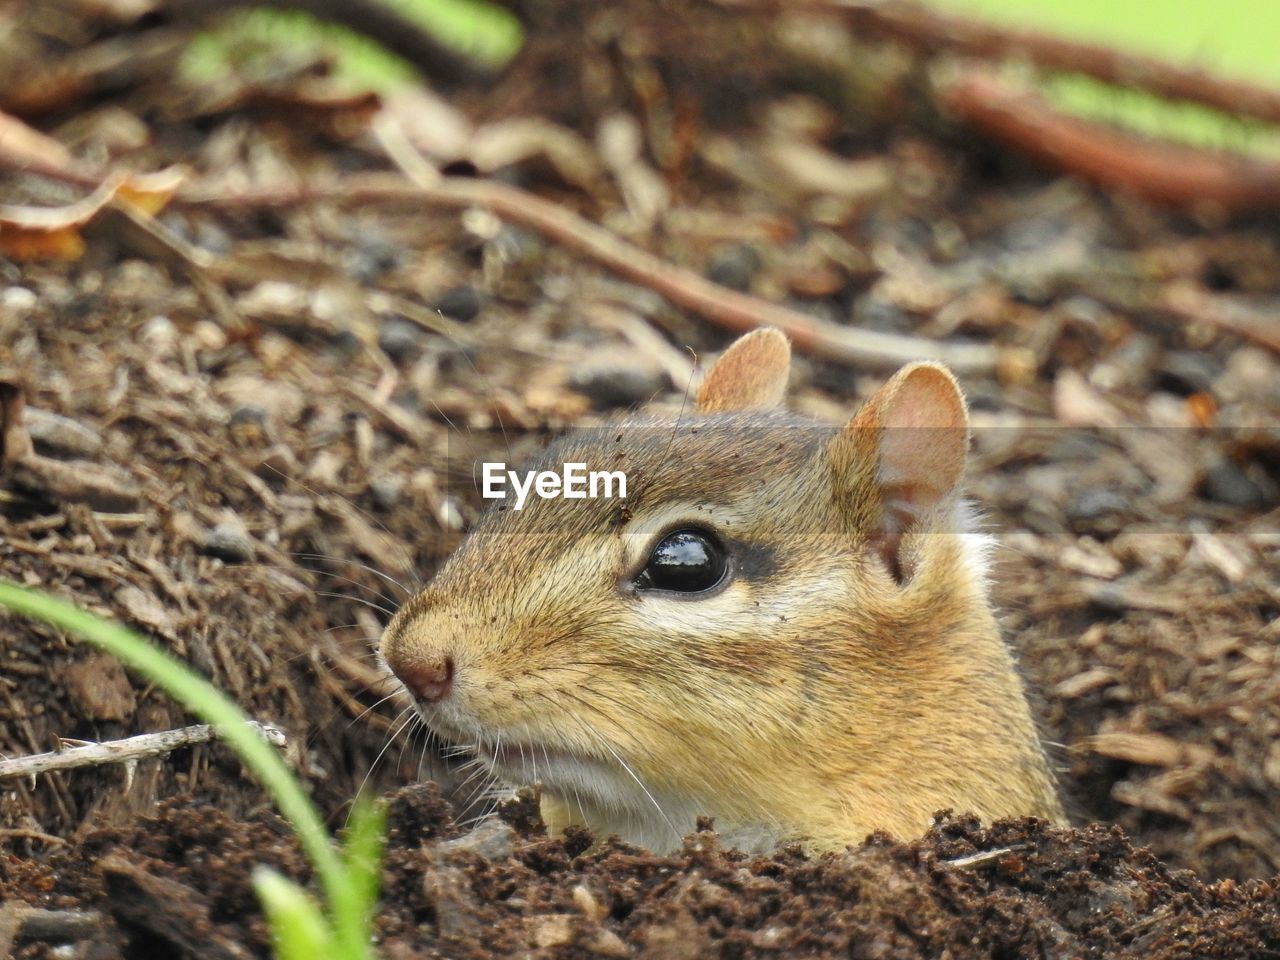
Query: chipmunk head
783, 625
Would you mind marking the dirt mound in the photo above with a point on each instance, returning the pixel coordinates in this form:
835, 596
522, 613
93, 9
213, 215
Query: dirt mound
253, 424
177, 884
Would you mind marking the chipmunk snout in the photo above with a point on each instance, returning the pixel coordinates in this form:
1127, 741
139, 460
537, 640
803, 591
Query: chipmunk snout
429, 680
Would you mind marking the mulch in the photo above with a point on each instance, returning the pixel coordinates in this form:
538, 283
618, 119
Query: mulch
243, 418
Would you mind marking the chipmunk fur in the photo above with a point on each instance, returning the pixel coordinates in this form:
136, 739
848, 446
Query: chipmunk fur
847, 676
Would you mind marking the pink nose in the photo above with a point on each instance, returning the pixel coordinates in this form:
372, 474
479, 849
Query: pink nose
428, 680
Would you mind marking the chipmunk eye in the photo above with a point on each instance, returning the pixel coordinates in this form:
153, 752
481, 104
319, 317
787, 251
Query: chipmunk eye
686, 561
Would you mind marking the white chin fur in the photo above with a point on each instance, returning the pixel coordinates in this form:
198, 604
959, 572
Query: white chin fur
611, 801
663, 832
978, 546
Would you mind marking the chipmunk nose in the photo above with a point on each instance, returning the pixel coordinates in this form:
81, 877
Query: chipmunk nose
428, 680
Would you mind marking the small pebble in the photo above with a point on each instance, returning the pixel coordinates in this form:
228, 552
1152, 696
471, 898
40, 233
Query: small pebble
347, 342
1129, 367
18, 299
1186, 372
385, 492
400, 339
160, 334
277, 462
1225, 482
872, 312
61, 434
1251, 373
372, 258
611, 387
551, 930
734, 267
606, 943
177, 224
492, 839
448, 891
461, 303
229, 544
1098, 510
451, 517
208, 335
212, 237
248, 414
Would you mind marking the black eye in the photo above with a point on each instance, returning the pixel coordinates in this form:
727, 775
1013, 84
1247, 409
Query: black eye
687, 561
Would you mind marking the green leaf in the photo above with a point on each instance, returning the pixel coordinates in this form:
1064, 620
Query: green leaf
299, 930
362, 851
349, 896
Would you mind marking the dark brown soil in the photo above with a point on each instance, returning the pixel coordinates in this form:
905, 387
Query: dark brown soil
229, 463
1018, 889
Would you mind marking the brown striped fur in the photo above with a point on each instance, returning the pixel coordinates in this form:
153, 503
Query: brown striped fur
849, 678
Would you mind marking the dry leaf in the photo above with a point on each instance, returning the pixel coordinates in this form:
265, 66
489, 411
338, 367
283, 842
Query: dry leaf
33, 233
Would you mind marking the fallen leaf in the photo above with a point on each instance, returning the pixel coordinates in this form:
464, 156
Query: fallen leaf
33, 233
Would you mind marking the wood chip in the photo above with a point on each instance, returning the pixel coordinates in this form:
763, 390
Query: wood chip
1232, 557
1076, 404
100, 688
1082, 683
15, 442
172, 916
1149, 749
1145, 797
104, 488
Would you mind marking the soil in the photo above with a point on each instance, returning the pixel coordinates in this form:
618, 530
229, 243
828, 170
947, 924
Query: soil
247, 431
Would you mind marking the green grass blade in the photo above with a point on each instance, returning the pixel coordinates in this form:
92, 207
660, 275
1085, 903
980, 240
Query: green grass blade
298, 928
214, 707
362, 852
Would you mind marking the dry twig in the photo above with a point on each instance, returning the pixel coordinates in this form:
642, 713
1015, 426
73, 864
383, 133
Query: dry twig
1193, 304
977, 859
929, 29
1163, 172
726, 308
19, 920
123, 751
737, 312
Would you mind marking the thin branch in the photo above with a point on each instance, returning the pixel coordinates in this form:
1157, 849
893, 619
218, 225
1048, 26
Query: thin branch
1163, 172
976, 859
26, 833
1193, 304
738, 312
930, 29
123, 751
17, 919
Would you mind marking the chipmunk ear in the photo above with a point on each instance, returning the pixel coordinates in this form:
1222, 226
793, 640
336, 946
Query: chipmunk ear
752, 373
904, 452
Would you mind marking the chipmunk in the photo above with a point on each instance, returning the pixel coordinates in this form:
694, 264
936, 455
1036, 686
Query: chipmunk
783, 626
